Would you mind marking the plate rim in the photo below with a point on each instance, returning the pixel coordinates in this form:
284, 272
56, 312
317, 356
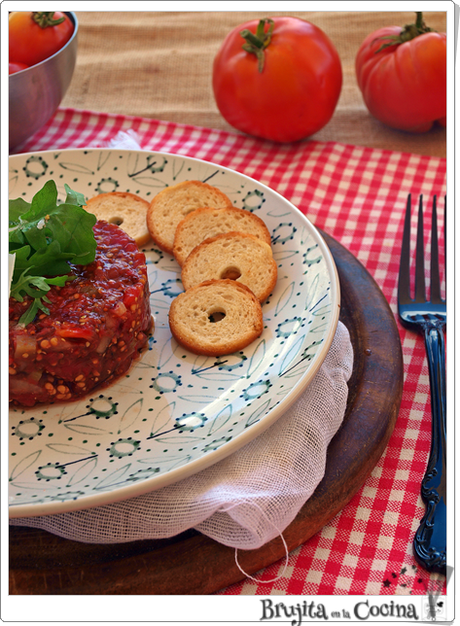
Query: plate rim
152, 484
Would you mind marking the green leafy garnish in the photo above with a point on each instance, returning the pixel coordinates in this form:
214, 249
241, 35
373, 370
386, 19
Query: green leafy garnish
45, 237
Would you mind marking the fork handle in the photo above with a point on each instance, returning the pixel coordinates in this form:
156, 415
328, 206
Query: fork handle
430, 538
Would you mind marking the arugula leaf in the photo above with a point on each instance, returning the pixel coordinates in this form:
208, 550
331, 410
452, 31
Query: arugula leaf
16, 207
46, 237
36, 287
32, 311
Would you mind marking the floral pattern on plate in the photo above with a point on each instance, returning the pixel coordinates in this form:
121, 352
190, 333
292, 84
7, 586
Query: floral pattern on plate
174, 413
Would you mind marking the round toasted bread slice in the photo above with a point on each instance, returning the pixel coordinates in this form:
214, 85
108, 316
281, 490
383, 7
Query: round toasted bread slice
237, 256
127, 210
204, 223
172, 204
216, 317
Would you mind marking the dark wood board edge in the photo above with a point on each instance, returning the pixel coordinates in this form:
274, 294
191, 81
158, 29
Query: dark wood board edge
191, 563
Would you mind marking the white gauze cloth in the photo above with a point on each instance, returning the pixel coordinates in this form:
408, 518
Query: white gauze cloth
246, 499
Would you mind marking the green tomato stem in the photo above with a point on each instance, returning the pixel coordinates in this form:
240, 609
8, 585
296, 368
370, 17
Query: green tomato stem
45, 18
419, 21
409, 32
256, 43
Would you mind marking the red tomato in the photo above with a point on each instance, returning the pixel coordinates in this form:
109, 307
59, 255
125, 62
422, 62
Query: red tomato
284, 85
35, 36
16, 67
404, 84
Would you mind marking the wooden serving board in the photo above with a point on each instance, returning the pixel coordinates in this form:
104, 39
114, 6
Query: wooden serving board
191, 563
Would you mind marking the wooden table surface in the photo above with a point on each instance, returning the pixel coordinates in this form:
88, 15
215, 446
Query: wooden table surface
158, 64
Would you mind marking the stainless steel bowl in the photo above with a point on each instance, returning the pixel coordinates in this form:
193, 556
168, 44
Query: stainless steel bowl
36, 93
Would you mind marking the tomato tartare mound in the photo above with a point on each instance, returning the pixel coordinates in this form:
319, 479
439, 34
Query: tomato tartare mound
97, 325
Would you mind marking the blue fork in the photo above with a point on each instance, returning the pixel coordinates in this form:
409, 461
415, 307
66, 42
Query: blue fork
429, 318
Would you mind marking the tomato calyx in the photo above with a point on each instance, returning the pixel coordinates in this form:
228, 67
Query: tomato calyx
256, 43
45, 19
409, 32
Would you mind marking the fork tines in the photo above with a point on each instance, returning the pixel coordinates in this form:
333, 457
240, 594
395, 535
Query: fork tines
404, 296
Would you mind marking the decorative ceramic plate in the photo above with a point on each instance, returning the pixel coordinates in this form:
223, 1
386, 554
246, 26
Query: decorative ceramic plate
174, 413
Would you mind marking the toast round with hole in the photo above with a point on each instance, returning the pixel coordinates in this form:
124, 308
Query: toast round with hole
216, 317
172, 204
204, 223
237, 256
127, 210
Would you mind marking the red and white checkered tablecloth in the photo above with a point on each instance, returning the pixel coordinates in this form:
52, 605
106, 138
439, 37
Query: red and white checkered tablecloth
358, 195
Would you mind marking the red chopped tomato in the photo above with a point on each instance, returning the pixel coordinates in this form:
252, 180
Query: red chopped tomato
76, 333
130, 297
89, 337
